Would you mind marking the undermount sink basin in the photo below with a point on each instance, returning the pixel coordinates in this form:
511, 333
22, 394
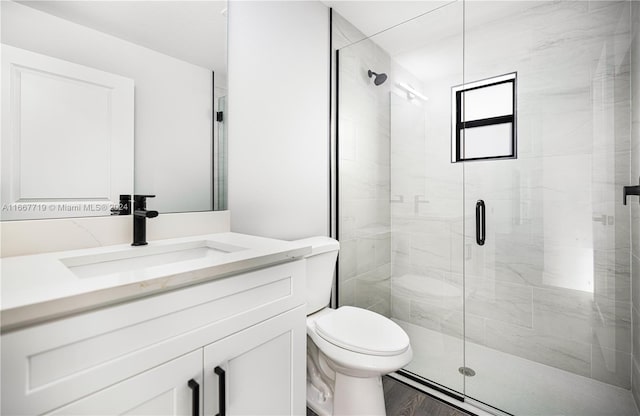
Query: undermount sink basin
138, 258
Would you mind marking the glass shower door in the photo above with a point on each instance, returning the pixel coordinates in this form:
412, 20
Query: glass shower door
547, 283
506, 261
427, 296
400, 221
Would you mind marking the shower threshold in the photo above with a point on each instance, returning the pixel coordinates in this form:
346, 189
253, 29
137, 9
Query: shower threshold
512, 384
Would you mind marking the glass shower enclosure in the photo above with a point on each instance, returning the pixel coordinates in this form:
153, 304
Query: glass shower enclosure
479, 198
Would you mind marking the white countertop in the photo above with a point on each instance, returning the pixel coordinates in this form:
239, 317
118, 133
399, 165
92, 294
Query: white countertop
41, 287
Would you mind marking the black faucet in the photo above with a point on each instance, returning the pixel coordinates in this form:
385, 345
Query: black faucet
140, 215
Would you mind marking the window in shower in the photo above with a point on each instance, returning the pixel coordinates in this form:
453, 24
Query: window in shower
484, 119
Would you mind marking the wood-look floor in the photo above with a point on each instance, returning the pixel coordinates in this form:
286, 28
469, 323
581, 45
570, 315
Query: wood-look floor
402, 400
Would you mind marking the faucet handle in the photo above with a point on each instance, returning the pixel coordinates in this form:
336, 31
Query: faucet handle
142, 197
140, 201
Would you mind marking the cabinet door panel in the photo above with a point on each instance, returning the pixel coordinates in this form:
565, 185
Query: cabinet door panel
270, 364
160, 391
265, 368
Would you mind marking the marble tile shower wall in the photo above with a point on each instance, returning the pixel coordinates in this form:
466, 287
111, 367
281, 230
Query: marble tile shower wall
635, 208
427, 224
364, 212
553, 283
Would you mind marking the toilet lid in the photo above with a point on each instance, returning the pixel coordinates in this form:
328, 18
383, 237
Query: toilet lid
362, 331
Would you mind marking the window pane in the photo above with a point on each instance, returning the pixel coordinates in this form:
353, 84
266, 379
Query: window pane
487, 102
487, 141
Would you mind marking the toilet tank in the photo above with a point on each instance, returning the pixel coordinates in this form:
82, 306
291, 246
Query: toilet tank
321, 264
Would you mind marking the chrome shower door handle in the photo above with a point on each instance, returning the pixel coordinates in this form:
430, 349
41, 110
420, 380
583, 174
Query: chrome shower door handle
481, 225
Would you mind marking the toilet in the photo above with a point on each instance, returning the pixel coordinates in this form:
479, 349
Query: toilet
348, 349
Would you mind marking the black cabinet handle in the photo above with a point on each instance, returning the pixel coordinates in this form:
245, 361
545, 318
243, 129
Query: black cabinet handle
195, 397
222, 400
481, 225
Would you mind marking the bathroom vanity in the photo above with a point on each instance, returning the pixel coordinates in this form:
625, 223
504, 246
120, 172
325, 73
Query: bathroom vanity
201, 325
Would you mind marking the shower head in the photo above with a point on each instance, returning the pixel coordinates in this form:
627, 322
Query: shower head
379, 79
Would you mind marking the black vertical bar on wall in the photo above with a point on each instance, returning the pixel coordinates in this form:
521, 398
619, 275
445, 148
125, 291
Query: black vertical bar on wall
337, 172
514, 130
213, 141
481, 225
458, 156
330, 118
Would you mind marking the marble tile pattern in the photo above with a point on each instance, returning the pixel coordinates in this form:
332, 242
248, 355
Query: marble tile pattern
427, 234
364, 177
553, 282
635, 208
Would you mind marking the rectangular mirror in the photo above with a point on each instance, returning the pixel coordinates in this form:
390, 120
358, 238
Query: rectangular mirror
112, 98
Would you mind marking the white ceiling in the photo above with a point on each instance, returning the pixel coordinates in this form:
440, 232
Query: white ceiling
196, 31
374, 16
410, 31
400, 26
193, 31
425, 36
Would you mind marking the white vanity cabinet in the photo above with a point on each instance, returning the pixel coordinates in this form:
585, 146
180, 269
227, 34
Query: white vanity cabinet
163, 390
137, 357
260, 368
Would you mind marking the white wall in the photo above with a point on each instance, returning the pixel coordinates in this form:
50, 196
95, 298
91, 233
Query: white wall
278, 118
172, 103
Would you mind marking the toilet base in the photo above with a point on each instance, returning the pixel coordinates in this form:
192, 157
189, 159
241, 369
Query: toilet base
354, 396
315, 402
358, 396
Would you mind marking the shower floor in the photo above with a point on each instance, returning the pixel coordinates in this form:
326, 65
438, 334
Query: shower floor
513, 384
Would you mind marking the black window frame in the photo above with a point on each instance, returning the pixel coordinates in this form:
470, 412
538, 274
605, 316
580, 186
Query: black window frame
461, 125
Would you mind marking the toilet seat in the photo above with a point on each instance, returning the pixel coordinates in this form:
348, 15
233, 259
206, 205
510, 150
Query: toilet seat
362, 331
351, 362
